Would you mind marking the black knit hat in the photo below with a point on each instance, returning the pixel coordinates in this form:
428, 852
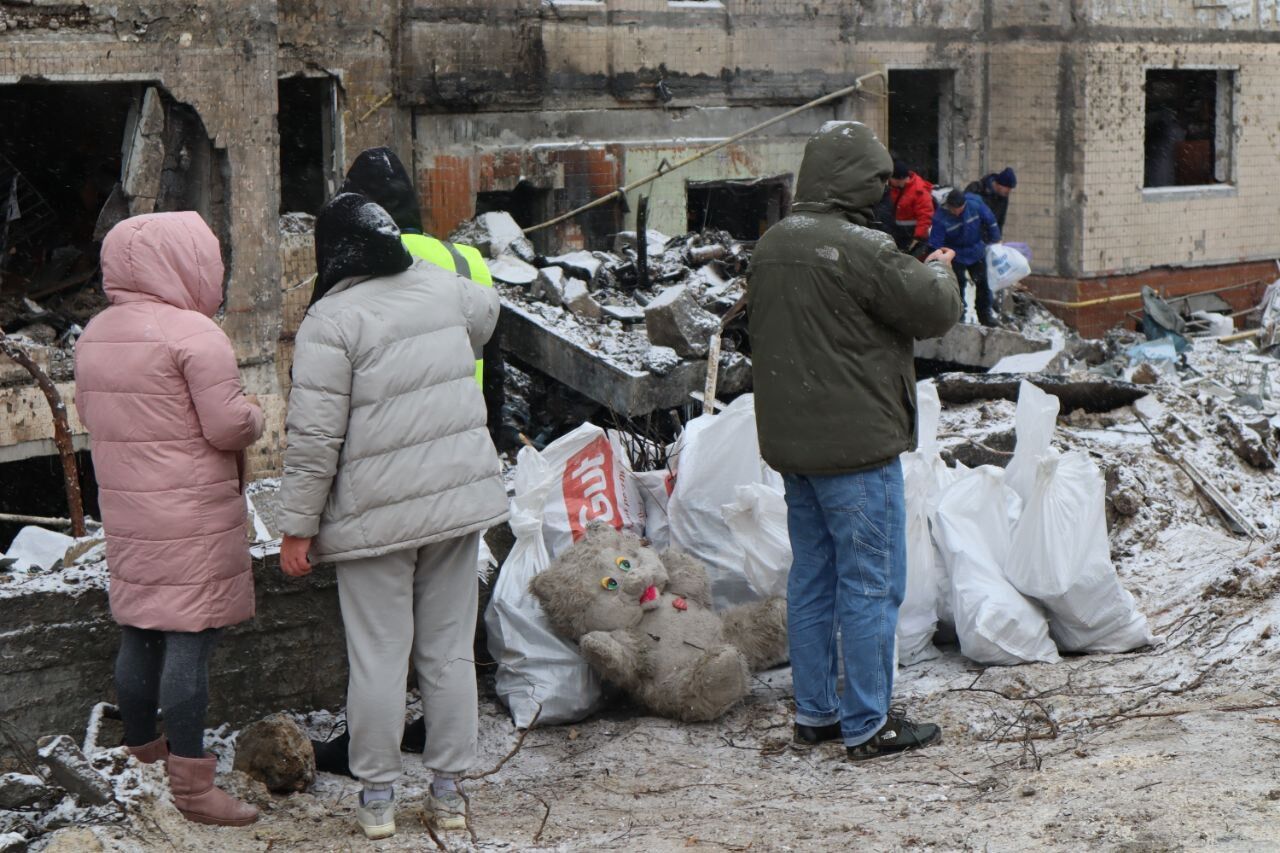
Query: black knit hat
955, 198
900, 170
1007, 178
355, 237
378, 174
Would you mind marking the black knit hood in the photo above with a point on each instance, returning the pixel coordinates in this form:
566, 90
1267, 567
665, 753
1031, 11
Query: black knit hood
378, 174
355, 237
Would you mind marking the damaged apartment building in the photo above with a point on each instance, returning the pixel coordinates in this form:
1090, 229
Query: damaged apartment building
1142, 132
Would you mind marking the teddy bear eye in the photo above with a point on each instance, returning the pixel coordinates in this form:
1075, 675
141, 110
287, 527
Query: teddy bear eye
608, 583
623, 563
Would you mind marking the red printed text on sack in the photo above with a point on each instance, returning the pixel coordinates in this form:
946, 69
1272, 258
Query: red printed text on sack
589, 493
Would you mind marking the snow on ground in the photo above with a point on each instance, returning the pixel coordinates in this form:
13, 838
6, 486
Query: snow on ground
1170, 748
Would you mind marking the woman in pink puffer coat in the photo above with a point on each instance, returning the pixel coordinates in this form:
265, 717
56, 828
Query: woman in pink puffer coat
158, 388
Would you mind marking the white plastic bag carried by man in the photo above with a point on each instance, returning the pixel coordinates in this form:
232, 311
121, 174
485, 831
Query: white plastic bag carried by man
1060, 554
581, 478
1006, 267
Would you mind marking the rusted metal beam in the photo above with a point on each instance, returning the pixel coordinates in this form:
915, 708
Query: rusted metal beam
61, 429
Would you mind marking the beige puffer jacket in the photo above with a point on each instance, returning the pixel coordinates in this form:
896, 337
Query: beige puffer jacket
388, 448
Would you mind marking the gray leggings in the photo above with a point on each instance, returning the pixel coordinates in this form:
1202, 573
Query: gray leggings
166, 670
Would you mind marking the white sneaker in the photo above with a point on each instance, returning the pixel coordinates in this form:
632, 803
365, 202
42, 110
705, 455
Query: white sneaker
448, 811
377, 819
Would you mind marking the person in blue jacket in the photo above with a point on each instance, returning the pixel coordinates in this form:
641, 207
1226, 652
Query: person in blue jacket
966, 225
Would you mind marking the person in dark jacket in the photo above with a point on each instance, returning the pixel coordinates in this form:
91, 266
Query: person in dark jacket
912, 198
834, 310
967, 226
994, 191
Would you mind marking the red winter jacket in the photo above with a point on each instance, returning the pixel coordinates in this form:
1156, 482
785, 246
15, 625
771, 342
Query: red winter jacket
913, 206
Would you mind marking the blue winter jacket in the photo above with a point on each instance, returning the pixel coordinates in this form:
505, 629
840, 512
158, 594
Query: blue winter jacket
969, 233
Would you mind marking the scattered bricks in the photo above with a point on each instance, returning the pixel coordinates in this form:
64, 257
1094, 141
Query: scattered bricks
277, 752
1145, 374
495, 234
675, 320
580, 301
661, 360
72, 770
550, 285
24, 791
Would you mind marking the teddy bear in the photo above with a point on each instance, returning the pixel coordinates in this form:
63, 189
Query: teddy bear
644, 622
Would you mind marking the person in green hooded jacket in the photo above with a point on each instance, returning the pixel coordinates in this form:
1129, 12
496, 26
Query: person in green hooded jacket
834, 310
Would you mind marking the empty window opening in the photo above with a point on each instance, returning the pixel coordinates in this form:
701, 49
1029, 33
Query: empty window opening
34, 487
75, 160
919, 120
1188, 127
745, 209
307, 175
528, 205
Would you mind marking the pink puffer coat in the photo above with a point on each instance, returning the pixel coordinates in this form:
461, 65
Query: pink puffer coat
158, 388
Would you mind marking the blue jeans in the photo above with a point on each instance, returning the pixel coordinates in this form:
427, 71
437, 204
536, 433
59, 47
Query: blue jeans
848, 574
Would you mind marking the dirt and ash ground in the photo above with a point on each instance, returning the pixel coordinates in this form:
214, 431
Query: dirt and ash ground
1170, 748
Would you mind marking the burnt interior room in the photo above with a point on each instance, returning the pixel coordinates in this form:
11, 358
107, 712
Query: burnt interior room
35, 486
76, 159
915, 107
1182, 114
745, 209
60, 159
305, 108
528, 205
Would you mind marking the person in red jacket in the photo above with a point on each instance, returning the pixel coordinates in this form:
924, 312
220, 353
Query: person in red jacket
912, 198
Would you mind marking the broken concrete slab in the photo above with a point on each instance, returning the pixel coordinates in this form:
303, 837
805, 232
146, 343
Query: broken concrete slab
494, 235
513, 271
278, 753
976, 346
1245, 441
661, 360
144, 158
72, 771
674, 319
578, 299
550, 285
655, 244
629, 392
1093, 393
584, 265
626, 314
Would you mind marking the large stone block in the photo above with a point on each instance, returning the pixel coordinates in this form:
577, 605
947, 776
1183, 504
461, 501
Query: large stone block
674, 319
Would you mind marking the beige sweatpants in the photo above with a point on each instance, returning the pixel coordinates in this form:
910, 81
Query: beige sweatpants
417, 604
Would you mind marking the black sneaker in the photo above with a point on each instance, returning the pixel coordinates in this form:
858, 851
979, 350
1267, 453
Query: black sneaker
814, 735
898, 734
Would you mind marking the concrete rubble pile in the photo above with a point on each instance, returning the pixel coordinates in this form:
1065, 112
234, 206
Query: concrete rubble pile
645, 313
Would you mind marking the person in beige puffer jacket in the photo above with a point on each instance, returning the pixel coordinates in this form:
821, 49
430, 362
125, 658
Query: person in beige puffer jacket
391, 474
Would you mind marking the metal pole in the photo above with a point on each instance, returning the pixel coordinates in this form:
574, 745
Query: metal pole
666, 168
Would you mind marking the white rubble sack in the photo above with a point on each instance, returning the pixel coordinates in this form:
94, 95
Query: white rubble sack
918, 615
995, 624
579, 479
715, 455
757, 517
1061, 557
1033, 425
655, 493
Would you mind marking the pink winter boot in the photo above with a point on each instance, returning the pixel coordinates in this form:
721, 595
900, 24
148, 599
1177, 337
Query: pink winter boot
191, 781
150, 753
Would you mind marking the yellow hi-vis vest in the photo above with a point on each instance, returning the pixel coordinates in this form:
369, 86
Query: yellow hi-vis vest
466, 261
